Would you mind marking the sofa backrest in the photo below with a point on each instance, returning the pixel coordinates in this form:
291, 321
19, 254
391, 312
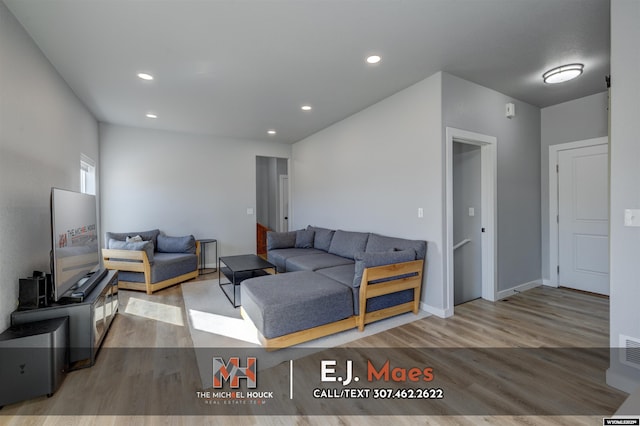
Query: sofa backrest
378, 243
122, 236
347, 244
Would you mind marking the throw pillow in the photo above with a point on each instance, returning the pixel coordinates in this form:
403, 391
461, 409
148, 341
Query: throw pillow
322, 238
304, 238
135, 239
185, 244
369, 260
279, 240
147, 246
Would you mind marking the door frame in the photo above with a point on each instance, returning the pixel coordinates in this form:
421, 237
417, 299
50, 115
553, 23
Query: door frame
554, 229
488, 158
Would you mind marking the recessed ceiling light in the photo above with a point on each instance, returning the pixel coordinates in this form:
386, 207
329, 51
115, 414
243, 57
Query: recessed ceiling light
373, 59
563, 73
306, 107
271, 132
145, 76
150, 115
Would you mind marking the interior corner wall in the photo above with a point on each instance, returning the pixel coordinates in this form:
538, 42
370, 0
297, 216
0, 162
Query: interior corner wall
580, 119
624, 242
43, 130
372, 171
469, 106
182, 184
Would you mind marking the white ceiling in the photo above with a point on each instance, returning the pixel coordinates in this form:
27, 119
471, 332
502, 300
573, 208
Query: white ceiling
236, 68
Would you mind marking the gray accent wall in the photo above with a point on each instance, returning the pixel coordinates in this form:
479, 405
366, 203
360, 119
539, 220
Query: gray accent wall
625, 187
182, 184
469, 106
43, 130
580, 119
372, 171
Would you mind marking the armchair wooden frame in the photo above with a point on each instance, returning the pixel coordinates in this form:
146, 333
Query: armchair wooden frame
138, 261
397, 276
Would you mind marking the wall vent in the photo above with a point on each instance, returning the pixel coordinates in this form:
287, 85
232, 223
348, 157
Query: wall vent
630, 353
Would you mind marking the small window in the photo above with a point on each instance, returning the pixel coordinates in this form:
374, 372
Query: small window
87, 175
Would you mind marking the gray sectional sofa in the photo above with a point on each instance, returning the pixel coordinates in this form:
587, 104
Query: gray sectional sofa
329, 281
156, 262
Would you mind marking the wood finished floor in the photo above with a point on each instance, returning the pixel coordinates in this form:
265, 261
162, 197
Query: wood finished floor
541, 317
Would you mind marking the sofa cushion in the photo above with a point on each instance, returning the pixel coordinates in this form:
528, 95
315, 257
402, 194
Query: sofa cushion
279, 256
343, 273
147, 246
322, 238
377, 243
304, 238
286, 303
279, 240
369, 260
146, 235
166, 265
347, 244
186, 244
312, 262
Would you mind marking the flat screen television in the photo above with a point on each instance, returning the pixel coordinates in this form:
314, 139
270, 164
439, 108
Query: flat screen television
75, 260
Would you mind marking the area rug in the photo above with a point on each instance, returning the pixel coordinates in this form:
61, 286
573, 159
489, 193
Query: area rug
217, 327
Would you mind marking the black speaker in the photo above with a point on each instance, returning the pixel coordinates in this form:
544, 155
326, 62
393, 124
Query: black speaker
33, 293
34, 359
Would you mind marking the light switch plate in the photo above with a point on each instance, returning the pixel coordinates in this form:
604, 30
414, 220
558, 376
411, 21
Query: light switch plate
472, 211
420, 212
632, 217
249, 211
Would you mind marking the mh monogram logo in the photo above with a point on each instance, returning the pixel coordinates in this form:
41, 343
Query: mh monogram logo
232, 372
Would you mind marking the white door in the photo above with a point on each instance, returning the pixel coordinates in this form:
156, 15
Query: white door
283, 209
583, 218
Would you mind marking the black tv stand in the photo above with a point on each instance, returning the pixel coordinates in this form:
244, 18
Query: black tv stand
89, 319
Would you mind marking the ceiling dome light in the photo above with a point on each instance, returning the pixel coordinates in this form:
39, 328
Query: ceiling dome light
373, 59
306, 107
563, 73
145, 76
271, 132
150, 115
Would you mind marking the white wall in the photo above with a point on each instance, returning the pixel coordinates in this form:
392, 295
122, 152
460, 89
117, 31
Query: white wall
372, 171
625, 186
576, 120
182, 184
469, 106
43, 130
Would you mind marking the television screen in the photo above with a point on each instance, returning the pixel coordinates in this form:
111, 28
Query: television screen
76, 252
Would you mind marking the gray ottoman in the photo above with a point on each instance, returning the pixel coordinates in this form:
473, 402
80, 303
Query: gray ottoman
285, 303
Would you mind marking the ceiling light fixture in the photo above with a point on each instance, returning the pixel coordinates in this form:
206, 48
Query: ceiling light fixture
271, 132
145, 76
306, 107
150, 115
373, 59
563, 73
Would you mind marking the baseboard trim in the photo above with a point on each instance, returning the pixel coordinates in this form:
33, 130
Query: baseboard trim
518, 289
439, 312
622, 382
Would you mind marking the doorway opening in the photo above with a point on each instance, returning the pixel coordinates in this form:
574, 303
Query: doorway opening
467, 223
469, 145
272, 198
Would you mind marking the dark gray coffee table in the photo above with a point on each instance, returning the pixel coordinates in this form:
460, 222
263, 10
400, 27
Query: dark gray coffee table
237, 269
